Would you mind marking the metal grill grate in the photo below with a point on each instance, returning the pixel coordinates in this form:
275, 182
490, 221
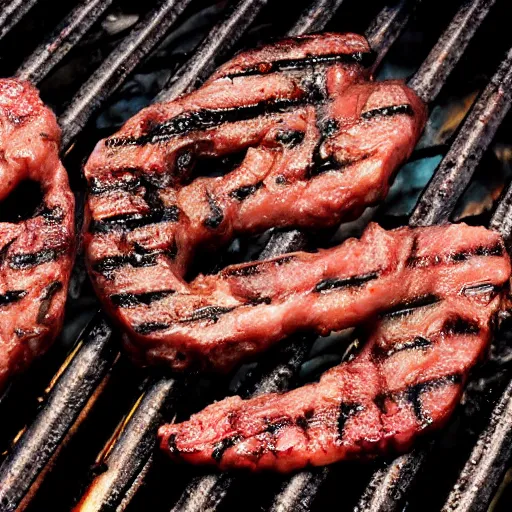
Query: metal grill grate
129, 459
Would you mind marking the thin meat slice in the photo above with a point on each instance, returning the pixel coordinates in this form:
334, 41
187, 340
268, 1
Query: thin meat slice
258, 304
36, 251
407, 380
320, 142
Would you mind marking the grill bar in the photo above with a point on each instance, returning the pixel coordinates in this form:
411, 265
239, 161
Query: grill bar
316, 17
67, 34
12, 12
133, 447
116, 67
220, 39
78, 378
487, 463
434, 71
453, 175
387, 26
389, 485
502, 218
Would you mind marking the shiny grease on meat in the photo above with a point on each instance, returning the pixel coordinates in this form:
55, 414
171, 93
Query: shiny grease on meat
322, 142
434, 324
36, 252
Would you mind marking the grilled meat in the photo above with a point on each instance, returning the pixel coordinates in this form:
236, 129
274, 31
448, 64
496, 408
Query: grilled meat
322, 143
36, 253
407, 379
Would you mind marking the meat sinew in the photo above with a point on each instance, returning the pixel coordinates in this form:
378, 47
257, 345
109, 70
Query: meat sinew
449, 282
322, 143
36, 252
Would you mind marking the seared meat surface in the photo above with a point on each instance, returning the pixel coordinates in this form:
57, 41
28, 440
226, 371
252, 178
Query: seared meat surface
434, 297
36, 253
322, 142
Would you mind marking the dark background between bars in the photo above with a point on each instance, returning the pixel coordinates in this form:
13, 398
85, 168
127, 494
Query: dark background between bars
122, 386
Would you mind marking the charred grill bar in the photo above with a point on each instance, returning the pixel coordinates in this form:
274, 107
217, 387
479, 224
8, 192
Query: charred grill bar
116, 67
83, 374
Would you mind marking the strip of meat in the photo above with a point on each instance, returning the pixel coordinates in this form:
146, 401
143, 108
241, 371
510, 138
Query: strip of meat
407, 380
258, 304
322, 144
36, 254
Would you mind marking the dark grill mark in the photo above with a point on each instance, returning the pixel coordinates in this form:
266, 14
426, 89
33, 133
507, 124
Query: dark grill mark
216, 217
365, 59
128, 183
418, 343
482, 250
327, 285
276, 426
108, 265
211, 313
392, 110
244, 192
347, 410
329, 128
413, 394
407, 308
131, 300
302, 423
46, 300
223, 445
290, 138
131, 221
173, 449
172, 251
5, 249
321, 166
256, 268
149, 327
458, 257
480, 289
414, 249
184, 162
12, 296
53, 215
128, 179
462, 326
201, 120
29, 260
256, 301
325, 165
